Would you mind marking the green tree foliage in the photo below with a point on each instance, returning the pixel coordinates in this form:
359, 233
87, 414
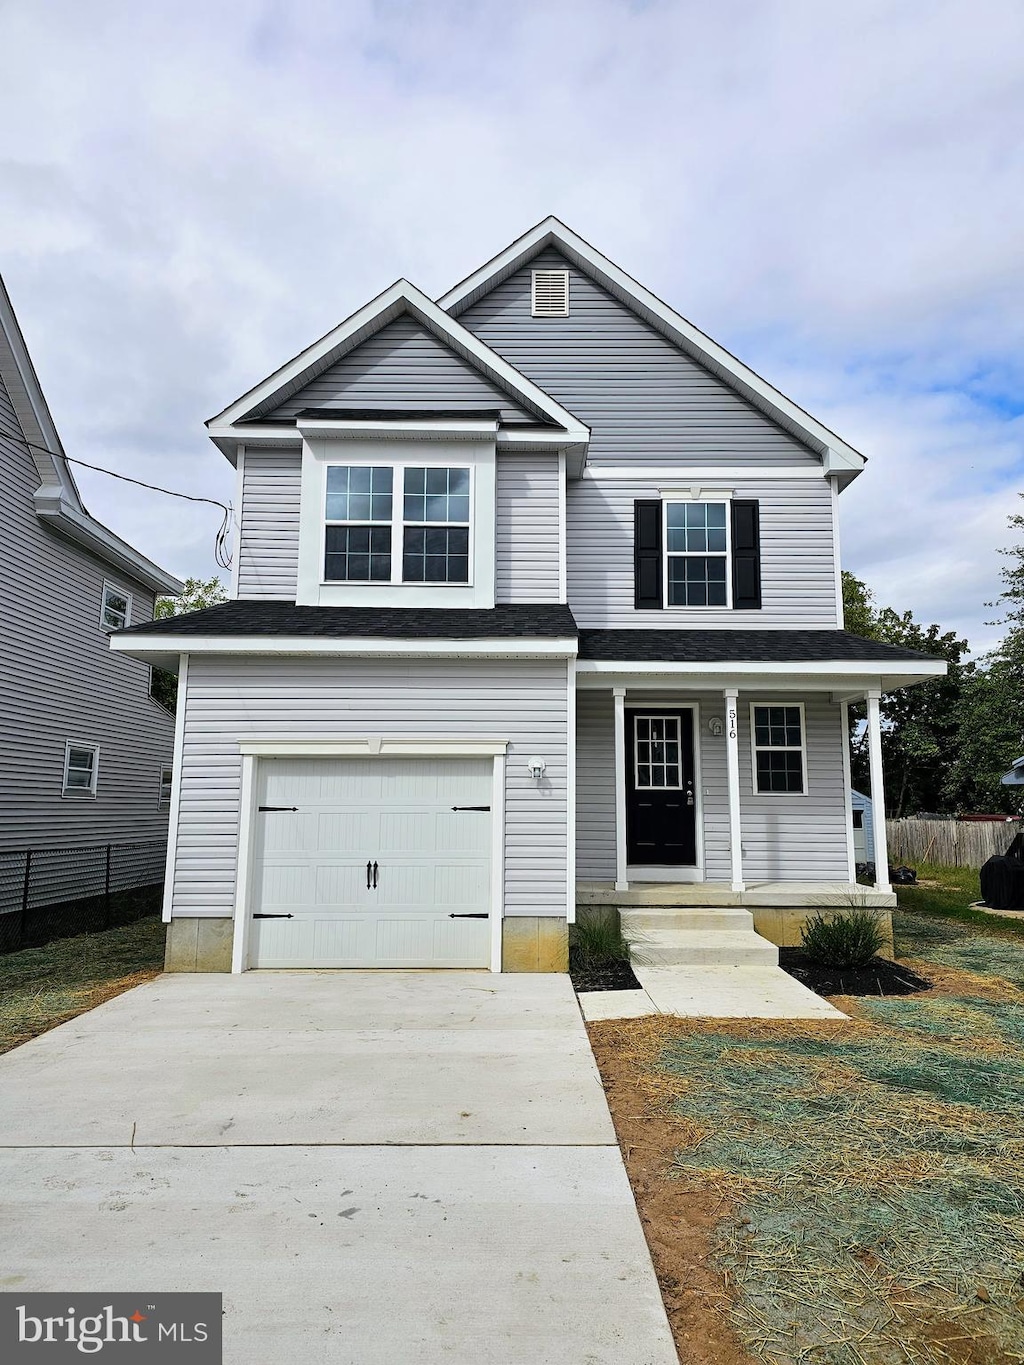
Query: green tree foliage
858, 606
194, 596
197, 594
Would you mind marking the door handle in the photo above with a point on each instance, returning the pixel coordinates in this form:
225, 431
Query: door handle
369, 865
375, 876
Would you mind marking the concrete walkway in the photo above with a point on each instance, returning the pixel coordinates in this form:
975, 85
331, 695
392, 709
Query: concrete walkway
371, 1167
710, 992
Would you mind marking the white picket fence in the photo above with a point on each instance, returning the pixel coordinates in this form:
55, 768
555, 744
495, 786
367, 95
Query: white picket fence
948, 843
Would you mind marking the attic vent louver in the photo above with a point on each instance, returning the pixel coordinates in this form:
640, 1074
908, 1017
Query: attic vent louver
551, 293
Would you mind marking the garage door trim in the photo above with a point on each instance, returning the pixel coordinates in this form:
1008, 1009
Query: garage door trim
253, 749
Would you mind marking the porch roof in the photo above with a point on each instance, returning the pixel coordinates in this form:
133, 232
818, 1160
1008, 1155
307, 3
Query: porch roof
744, 646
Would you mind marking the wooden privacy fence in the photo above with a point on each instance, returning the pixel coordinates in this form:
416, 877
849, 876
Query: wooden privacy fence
948, 843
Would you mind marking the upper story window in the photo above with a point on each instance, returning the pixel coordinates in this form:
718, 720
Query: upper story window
366, 523
697, 554
777, 736
115, 608
81, 769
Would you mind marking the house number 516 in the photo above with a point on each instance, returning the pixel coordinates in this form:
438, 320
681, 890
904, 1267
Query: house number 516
732, 723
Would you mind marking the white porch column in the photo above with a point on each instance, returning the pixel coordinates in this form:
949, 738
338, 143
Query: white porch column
877, 791
619, 694
732, 764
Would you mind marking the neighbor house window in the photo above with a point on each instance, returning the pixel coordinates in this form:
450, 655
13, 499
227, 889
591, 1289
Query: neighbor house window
697, 554
116, 608
858, 819
81, 767
778, 745
428, 516
164, 799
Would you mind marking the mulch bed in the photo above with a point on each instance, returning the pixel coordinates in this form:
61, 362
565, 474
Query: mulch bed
607, 975
879, 977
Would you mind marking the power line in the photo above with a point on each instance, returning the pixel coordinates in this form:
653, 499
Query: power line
221, 553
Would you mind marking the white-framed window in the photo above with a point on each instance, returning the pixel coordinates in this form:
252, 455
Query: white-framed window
115, 608
657, 753
778, 748
81, 768
696, 540
164, 797
402, 523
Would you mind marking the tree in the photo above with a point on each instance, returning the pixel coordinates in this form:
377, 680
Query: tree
858, 606
990, 732
197, 594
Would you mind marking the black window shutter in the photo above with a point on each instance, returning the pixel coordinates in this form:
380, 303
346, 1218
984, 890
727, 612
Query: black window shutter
647, 554
746, 556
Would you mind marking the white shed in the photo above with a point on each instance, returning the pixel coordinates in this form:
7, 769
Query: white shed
863, 828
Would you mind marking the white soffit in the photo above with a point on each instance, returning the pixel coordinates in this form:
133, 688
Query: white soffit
838, 458
402, 297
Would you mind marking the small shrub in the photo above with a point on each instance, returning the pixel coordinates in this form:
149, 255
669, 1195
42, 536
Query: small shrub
848, 940
598, 939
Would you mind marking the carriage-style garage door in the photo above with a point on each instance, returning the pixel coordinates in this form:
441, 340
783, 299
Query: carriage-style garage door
372, 862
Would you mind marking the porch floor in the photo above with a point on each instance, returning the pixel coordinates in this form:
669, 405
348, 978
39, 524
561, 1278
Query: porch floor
780, 895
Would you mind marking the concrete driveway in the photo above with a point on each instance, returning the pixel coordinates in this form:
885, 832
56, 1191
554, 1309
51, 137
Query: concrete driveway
371, 1167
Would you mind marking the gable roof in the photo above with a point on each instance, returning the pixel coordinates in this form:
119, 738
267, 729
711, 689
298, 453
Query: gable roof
837, 456
237, 420
57, 500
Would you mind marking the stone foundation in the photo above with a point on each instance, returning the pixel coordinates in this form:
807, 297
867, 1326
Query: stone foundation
198, 945
534, 943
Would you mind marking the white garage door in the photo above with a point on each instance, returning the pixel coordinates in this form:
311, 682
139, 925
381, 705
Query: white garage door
372, 862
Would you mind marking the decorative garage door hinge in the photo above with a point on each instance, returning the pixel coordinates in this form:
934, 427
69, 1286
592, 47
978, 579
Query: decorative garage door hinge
273, 916
471, 808
474, 915
279, 808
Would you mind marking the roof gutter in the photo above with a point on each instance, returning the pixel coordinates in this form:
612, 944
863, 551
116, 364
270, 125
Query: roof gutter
53, 509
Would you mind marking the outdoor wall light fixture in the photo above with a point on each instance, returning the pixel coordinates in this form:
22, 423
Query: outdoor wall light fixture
715, 726
536, 767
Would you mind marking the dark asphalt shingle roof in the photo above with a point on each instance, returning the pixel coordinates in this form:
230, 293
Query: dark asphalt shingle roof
738, 646
546, 620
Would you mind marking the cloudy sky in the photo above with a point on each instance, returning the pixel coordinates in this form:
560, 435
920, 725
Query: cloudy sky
191, 192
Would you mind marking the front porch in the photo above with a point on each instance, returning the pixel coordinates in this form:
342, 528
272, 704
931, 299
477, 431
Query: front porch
767, 895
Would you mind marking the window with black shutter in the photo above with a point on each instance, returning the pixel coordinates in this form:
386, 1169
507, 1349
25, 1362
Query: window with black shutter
647, 592
746, 555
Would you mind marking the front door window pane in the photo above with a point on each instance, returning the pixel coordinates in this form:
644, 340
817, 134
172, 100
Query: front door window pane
657, 753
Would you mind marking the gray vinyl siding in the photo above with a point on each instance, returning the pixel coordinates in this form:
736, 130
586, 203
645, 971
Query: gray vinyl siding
268, 552
798, 585
60, 681
403, 366
527, 545
644, 399
784, 838
523, 701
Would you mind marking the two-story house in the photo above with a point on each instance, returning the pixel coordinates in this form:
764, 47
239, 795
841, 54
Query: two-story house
86, 749
537, 604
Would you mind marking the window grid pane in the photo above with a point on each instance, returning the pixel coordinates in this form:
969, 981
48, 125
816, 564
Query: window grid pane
115, 609
359, 493
435, 554
437, 496
696, 581
695, 527
358, 554
80, 766
656, 753
778, 749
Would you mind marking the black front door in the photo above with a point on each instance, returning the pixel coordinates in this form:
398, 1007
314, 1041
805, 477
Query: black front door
661, 810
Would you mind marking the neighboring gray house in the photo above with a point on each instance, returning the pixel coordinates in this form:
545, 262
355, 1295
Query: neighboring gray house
86, 750
537, 605
863, 827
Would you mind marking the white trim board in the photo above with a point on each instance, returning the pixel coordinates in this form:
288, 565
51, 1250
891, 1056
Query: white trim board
174, 812
408, 747
683, 473
815, 668
141, 646
838, 457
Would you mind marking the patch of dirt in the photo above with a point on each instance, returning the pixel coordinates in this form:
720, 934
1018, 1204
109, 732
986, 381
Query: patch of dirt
608, 975
879, 977
678, 1222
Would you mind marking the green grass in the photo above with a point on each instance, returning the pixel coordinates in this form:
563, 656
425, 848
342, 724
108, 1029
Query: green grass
42, 987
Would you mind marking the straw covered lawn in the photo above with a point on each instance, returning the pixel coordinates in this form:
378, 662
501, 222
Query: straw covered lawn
839, 1192
43, 987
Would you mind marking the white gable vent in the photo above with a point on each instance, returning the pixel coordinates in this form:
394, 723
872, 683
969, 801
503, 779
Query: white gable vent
551, 293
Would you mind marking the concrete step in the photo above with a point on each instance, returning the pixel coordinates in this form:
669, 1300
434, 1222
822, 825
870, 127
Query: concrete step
709, 918
699, 947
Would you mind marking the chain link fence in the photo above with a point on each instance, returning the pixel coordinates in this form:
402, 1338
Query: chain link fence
50, 893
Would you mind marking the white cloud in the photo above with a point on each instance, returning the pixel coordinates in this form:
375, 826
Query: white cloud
192, 192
